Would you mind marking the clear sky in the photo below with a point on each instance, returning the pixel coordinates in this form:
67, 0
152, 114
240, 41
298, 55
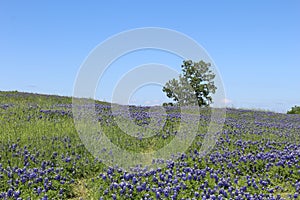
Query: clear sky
255, 45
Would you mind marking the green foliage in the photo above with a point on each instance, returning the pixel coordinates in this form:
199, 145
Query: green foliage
194, 86
294, 110
165, 104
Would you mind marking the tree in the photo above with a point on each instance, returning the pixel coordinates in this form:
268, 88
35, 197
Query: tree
194, 86
294, 110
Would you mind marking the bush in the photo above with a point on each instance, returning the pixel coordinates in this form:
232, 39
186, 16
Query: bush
294, 110
167, 104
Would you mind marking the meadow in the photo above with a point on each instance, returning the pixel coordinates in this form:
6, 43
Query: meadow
256, 156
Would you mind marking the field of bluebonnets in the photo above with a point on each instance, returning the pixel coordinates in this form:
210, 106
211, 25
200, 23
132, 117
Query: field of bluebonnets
257, 155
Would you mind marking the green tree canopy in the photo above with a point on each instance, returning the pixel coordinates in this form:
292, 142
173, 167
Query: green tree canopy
194, 86
294, 110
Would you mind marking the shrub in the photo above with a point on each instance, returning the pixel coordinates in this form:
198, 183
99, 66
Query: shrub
294, 110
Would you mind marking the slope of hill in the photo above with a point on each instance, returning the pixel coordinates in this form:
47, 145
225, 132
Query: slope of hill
256, 156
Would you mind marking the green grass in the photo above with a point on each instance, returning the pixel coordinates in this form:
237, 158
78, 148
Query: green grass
24, 124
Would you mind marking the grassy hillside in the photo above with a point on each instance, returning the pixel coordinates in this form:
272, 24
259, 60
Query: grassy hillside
256, 156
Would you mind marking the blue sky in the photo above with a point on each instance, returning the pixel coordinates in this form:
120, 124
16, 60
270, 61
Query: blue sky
255, 45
